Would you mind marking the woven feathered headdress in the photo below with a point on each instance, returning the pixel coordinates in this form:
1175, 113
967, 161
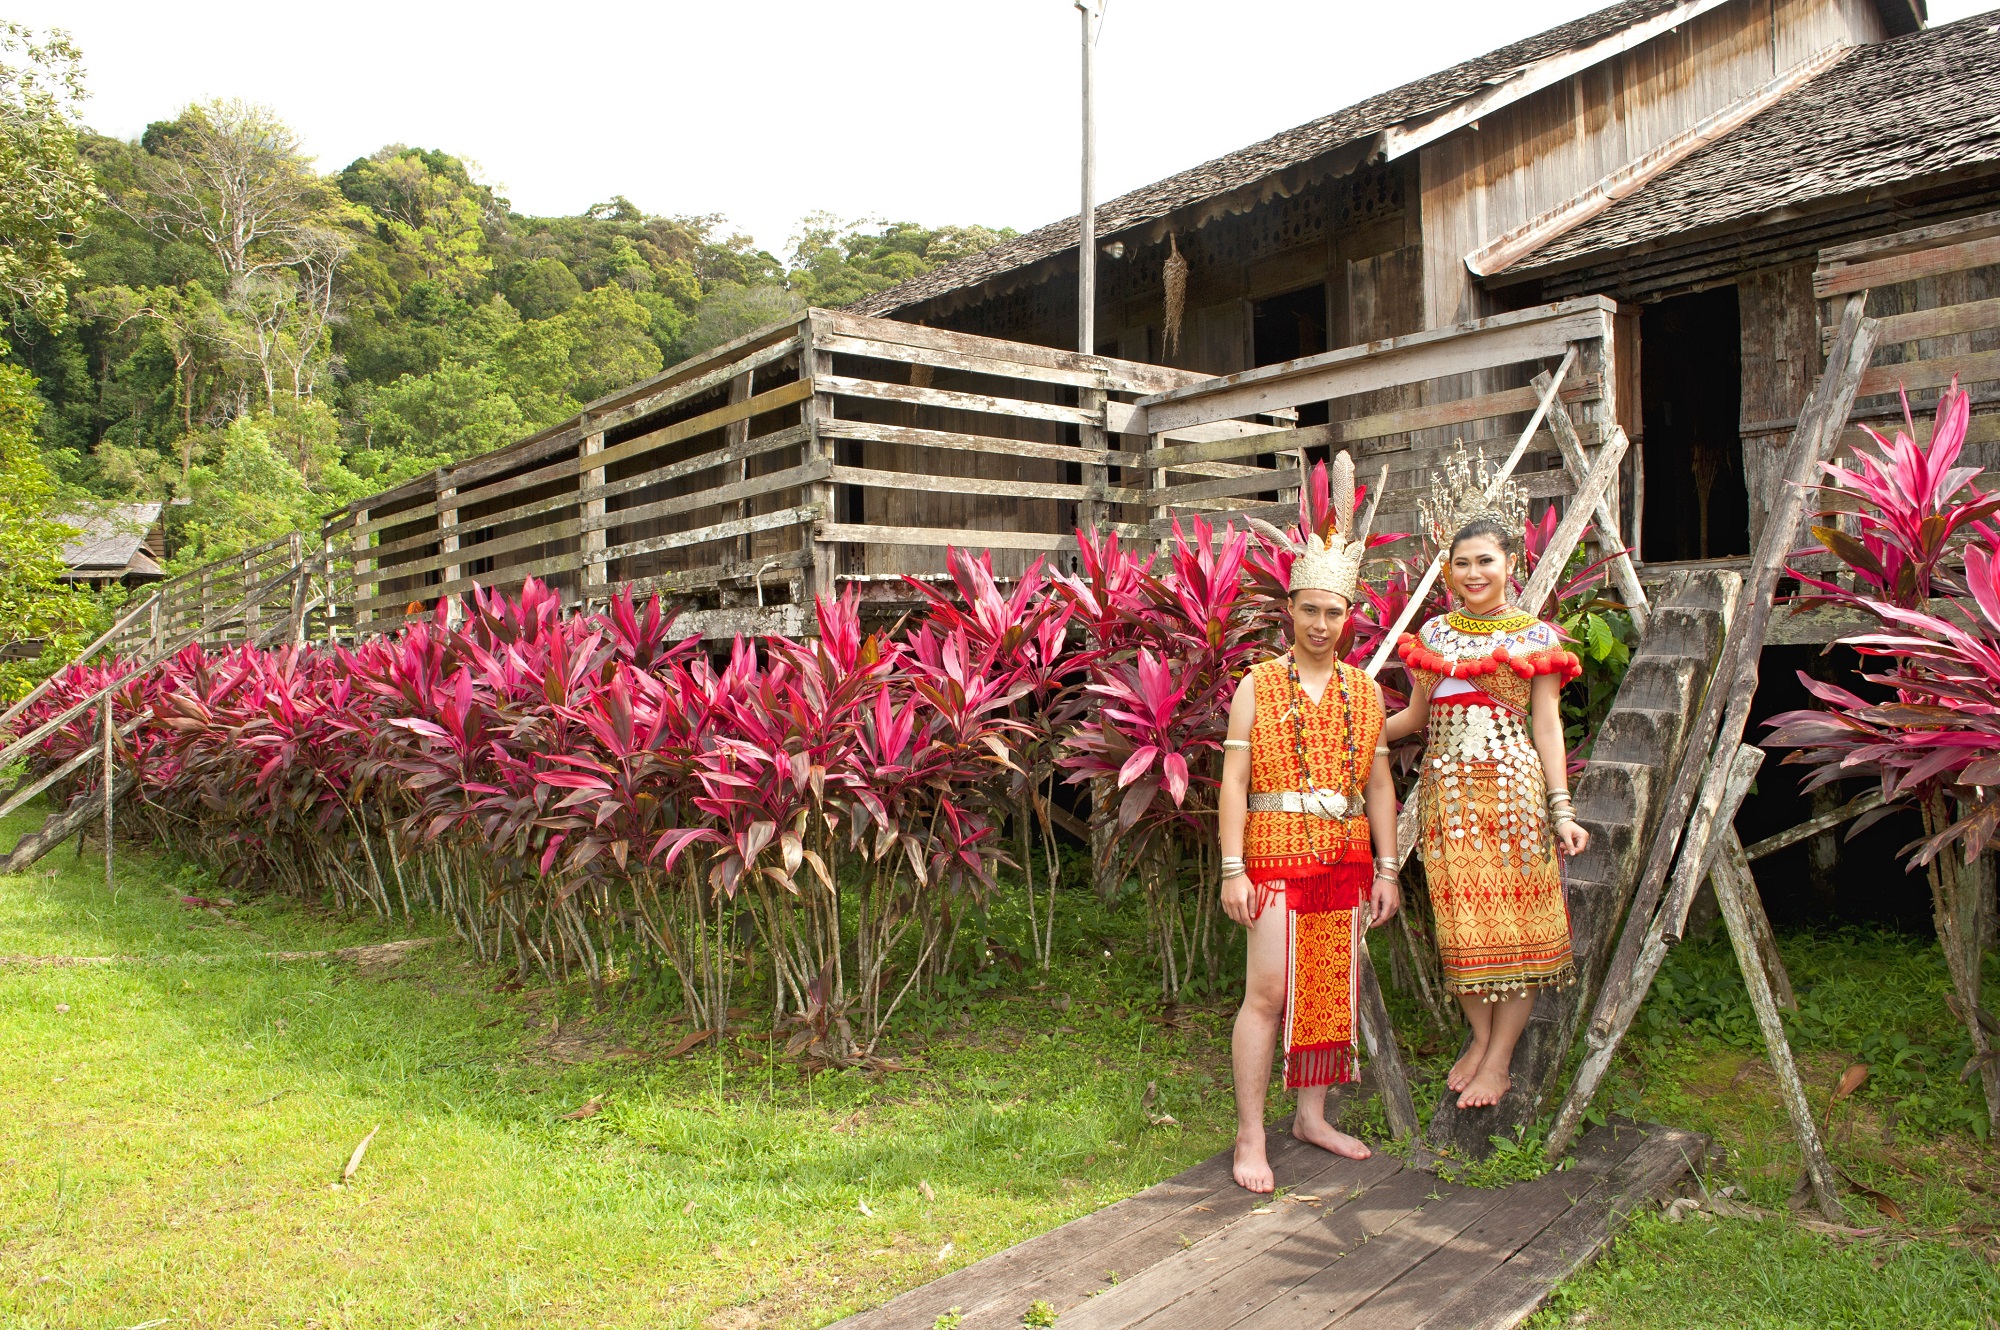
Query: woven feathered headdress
1329, 563
1458, 498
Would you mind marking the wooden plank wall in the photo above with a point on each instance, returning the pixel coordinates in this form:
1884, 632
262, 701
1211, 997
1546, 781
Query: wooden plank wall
1557, 143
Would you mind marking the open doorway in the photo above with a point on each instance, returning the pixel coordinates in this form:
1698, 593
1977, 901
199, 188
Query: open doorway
1289, 326
1691, 390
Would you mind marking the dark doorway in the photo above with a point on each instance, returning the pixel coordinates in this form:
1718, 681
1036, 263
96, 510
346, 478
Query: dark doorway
1691, 391
1289, 326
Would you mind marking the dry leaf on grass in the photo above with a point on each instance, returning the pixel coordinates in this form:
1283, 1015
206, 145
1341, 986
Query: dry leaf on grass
1883, 1202
354, 1160
689, 1041
863, 1207
1850, 1081
589, 1110
924, 1186
945, 1251
1837, 1230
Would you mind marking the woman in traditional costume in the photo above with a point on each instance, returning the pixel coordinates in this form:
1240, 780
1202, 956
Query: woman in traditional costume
1308, 831
1494, 803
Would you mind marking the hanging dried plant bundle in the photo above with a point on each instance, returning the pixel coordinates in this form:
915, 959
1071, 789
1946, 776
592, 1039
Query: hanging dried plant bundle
1175, 279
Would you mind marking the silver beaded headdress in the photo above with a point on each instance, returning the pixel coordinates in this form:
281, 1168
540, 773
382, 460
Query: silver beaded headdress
1458, 498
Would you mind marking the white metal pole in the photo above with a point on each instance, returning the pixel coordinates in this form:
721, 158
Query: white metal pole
1086, 255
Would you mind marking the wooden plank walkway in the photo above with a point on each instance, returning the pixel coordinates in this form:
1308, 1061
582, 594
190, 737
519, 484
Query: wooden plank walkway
1376, 1244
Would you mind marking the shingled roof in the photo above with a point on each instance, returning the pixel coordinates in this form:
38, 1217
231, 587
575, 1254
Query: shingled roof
1279, 153
1889, 113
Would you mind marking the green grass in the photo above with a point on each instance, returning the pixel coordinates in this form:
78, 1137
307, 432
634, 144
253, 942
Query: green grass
169, 1144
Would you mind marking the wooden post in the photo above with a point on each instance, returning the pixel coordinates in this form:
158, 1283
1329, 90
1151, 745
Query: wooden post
364, 586
1157, 514
734, 435
1590, 490
295, 616
110, 788
253, 611
814, 411
447, 528
1734, 892
204, 583
590, 488
1722, 793
154, 624
1378, 1034
1090, 512
1622, 568
1732, 860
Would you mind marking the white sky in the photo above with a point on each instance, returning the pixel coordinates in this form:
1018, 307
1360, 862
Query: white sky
933, 111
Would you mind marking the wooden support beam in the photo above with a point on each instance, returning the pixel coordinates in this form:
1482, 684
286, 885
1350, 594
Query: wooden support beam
1722, 793
1736, 894
1378, 1035
1591, 489
1725, 706
1853, 808
1622, 569
590, 490
1731, 860
816, 413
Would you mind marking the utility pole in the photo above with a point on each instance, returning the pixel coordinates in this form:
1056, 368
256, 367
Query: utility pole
1086, 254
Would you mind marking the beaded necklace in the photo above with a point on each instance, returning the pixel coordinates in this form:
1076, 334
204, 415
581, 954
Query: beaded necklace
1306, 781
1509, 620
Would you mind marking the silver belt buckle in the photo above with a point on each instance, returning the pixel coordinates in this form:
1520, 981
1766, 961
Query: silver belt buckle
1330, 804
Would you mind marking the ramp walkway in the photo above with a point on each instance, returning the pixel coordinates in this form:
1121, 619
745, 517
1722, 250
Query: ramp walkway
1382, 1244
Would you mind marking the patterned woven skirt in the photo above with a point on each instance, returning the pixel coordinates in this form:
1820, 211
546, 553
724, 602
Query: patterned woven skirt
1496, 891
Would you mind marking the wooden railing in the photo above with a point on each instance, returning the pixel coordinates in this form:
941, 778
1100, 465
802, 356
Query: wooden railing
834, 451
1401, 401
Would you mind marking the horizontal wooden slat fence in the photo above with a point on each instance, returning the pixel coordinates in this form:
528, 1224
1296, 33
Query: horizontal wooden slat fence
1451, 373
834, 451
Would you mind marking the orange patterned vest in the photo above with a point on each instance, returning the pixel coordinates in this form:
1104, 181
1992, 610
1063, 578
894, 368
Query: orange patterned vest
1298, 744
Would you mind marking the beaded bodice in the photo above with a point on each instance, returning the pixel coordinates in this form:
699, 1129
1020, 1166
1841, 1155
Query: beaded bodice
1501, 656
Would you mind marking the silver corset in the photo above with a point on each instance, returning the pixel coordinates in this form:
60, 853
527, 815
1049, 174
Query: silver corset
1461, 733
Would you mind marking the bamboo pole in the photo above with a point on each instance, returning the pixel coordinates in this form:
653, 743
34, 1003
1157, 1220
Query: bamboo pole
1622, 568
1492, 490
1590, 488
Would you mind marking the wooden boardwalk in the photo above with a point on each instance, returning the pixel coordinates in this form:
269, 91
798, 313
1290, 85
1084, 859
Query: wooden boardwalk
1376, 1244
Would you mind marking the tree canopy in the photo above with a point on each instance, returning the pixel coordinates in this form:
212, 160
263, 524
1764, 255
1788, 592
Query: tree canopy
208, 317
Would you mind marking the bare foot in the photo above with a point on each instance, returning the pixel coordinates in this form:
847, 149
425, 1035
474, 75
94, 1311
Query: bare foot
1253, 1170
1320, 1133
1463, 1070
1485, 1089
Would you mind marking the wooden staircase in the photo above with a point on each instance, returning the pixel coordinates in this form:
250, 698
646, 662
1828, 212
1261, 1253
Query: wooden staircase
1618, 799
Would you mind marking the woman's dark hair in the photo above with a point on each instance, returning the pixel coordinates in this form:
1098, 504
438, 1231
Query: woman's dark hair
1508, 541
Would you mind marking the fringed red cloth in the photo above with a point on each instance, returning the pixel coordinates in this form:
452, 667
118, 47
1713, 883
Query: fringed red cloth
1320, 921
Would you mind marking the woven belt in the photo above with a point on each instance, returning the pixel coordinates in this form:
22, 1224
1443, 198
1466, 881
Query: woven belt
1332, 805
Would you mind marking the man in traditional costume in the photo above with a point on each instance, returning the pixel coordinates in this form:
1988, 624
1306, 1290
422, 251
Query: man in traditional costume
1308, 832
1494, 803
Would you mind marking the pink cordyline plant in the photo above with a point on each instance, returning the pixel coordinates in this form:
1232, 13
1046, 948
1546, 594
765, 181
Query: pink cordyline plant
1926, 568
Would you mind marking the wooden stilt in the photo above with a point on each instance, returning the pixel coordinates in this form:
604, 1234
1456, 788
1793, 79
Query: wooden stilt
1384, 1058
1734, 861
1736, 894
1727, 783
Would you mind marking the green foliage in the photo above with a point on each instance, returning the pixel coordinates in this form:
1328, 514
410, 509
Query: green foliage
1868, 996
46, 192
35, 606
1039, 1316
1604, 639
1522, 1157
